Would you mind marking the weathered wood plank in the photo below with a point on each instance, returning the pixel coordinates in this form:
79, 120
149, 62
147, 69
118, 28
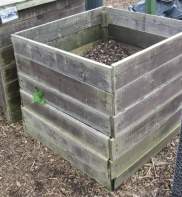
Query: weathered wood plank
2, 99
74, 108
79, 39
133, 37
161, 26
119, 166
53, 14
138, 64
137, 89
142, 159
81, 132
128, 138
13, 111
84, 93
6, 55
67, 146
74, 66
9, 73
67, 26
148, 104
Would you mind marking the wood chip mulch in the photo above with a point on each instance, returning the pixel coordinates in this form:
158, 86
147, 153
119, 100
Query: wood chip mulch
110, 51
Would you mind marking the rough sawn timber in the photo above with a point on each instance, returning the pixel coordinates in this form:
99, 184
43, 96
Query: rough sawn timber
107, 120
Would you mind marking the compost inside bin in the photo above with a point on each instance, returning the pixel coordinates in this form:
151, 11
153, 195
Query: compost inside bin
110, 51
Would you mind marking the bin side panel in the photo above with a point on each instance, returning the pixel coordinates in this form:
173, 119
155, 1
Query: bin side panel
144, 158
82, 133
79, 39
148, 104
145, 61
67, 26
78, 154
78, 68
143, 149
67, 104
138, 131
161, 26
88, 95
139, 88
27, 18
133, 37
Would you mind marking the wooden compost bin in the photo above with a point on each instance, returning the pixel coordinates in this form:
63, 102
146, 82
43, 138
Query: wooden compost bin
31, 13
106, 120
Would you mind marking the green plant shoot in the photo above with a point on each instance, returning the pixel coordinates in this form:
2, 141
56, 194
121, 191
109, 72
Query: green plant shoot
38, 97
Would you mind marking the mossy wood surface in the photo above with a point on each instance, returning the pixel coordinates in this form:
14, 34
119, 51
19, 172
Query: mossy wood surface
106, 120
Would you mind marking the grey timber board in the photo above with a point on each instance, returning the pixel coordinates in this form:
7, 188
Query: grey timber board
89, 162
63, 27
137, 131
142, 159
143, 85
31, 17
2, 102
84, 93
84, 134
74, 108
79, 39
9, 72
74, 66
149, 103
125, 161
142, 62
130, 36
6, 55
10, 28
161, 26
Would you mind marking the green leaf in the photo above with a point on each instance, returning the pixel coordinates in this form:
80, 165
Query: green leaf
38, 97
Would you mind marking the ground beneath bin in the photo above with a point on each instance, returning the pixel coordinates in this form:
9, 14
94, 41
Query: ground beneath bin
29, 169
110, 51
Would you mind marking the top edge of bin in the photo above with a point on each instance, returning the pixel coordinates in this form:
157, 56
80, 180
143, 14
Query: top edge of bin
102, 8
23, 4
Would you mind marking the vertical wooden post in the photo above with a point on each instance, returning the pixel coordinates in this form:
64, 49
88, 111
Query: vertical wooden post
150, 6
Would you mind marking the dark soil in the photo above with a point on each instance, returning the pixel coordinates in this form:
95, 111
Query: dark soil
111, 51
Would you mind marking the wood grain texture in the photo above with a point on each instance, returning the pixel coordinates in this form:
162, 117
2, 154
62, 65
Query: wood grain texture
149, 103
145, 84
74, 108
73, 66
50, 135
36, 15
140, 161
142, 62
84, 93
81, 132
131, 36
79, 39
161, 26
137, 131
64, 27
127, 160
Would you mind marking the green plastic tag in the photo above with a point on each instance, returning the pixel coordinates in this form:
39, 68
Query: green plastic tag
38, 97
